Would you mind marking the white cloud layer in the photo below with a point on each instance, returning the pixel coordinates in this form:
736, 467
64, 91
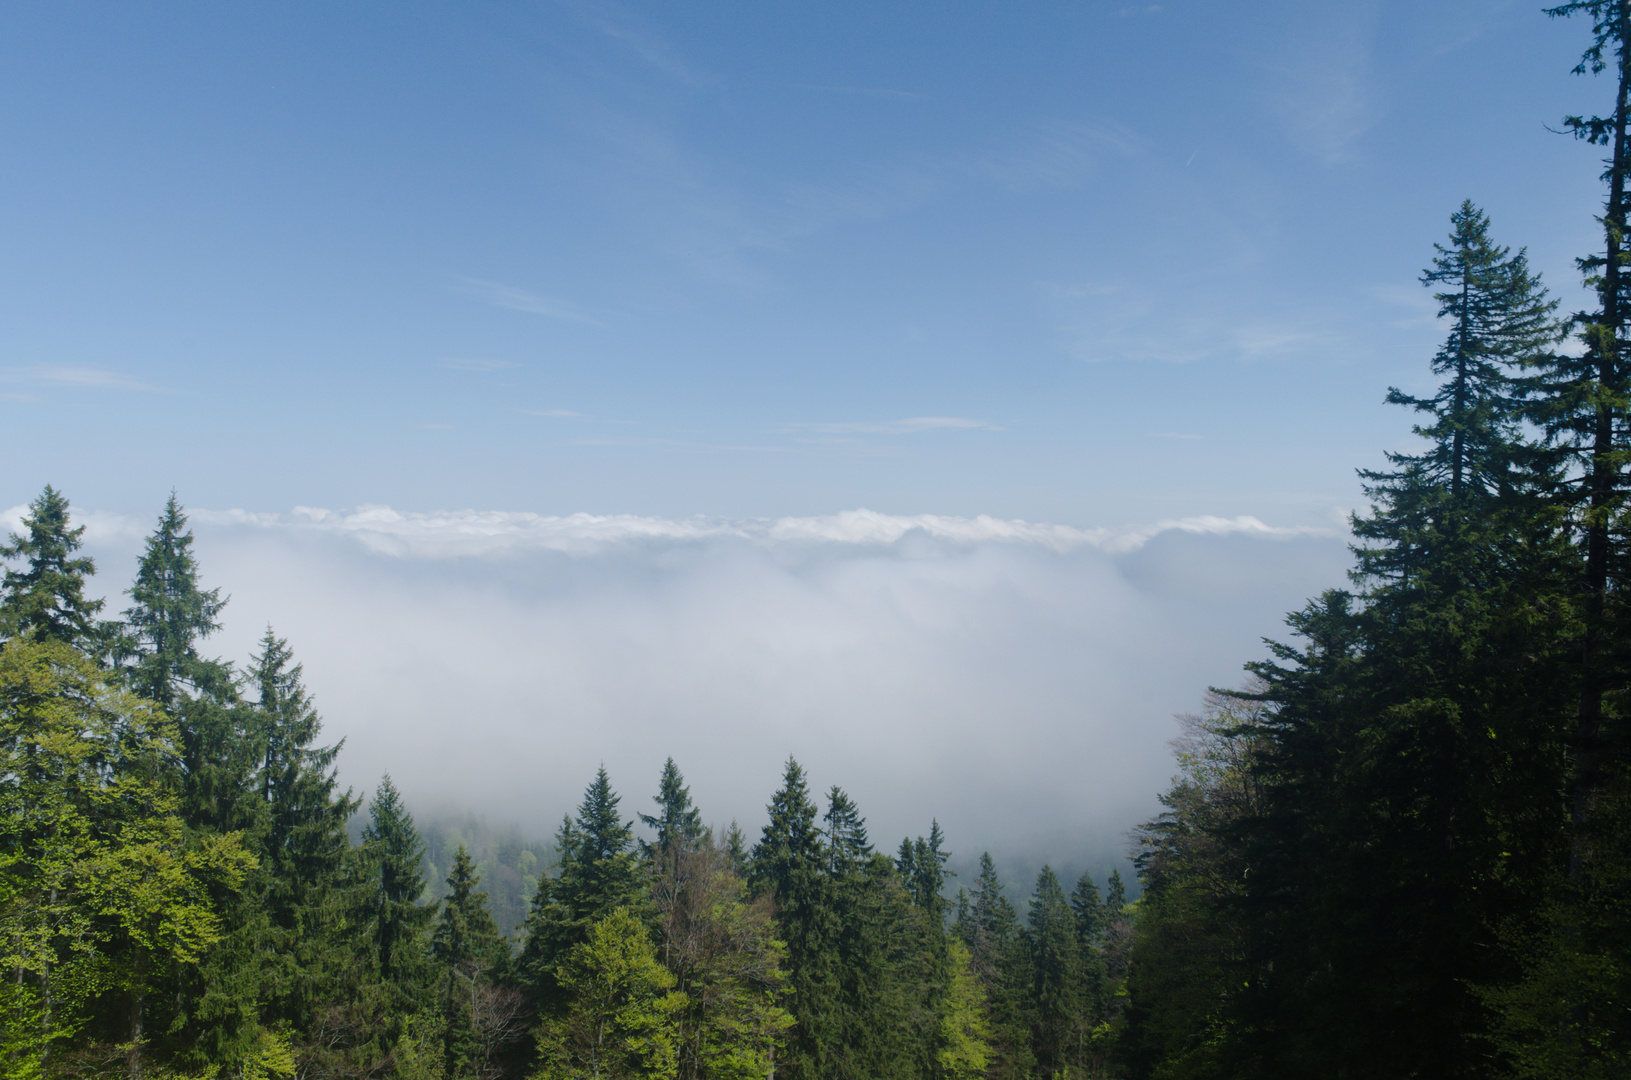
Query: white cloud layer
1014, 680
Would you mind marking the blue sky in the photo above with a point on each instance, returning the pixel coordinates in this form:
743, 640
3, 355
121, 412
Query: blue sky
1091, 263
715, 278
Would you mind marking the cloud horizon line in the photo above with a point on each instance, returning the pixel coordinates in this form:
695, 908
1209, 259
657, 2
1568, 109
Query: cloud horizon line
444, 534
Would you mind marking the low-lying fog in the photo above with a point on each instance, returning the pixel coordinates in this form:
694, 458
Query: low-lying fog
1015, 681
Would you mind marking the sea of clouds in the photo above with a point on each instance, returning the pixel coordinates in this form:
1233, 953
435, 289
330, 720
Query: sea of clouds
1015, 681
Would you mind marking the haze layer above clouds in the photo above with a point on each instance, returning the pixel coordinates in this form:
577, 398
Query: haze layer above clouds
1015, 681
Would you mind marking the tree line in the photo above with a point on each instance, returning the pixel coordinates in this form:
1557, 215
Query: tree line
180, 896
1399, 850
1403, 848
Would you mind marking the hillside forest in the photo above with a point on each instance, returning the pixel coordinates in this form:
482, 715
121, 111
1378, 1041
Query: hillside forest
1398, 849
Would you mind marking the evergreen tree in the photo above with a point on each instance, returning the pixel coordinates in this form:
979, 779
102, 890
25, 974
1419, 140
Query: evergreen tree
1115, 897
46, 599
787, 866
922, 867
216, 1003
169, 615
847, 846
679, 825
394, 857
597, 874
1586, 409
1092, 914
466, 946
1058, 991
305, 851
1000, 961
736, 847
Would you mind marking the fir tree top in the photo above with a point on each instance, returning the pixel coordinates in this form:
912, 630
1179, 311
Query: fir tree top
46, 599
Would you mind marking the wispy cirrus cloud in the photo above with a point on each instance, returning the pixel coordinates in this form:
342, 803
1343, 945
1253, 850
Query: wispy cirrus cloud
911, 425
505, 296
1054, 155
74, 376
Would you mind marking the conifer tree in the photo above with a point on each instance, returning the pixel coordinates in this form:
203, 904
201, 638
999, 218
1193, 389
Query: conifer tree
217, 1002
598, 873
46, 598
1090, 910
466, 946
394, 858
1586, 408
736, 848
679, 824
305, 851
1058, 990
1000, 961
787, 866
847, 846
169, 615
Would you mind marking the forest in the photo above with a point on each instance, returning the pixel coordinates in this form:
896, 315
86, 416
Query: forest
1398, 849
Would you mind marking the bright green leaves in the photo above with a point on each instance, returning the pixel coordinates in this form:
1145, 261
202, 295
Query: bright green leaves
621, 1018
102, 887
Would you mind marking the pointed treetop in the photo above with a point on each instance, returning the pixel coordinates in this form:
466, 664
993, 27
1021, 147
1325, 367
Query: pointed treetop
1115, 896
679, 825
1088, 908
847, 843
169, 613
46, 599
789, 849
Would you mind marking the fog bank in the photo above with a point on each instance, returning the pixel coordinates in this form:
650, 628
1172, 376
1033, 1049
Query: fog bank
1015, 681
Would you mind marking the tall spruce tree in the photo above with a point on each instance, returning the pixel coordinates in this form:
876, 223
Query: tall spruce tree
1000, 961
217, 1002
597, 874
1059, 993
305, 854
1587, 408
169, 615
467, 949
46, 598
847, 845
787, 866
394, 858
1412, 745
679, 824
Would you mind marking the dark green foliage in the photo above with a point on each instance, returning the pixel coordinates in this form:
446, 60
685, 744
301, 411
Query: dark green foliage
1001, 963
509, 862
736, 848
169, 615
393, 856
467, 950
1090, 910
46, 598
1060, 993
597, 873
679, 825
305, 854
787, 866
